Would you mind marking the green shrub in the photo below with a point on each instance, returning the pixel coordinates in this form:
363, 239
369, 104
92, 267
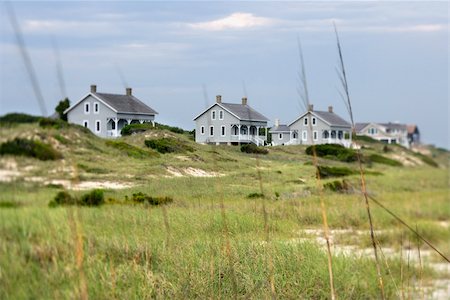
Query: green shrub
63, 198
135, 128
255, 195
252, 148
326, 172
144, 198
93, 198
338, 186
17, 118
30, 148
426, 159
364, 138
52, 123
168, 145
384, 160
333, 151
130, 150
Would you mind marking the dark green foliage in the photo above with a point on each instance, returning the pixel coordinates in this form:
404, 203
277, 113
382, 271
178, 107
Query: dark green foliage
426, 159
146, 199
384, 160
326, 172
168, 145
333, 151
135, 128
52, 123
386, 149
61, 139
255, 195
63, 198
364, 138
338, 186
130, 150
15, 118
30, 148
252, 148
93, 198
61, 107
9, 204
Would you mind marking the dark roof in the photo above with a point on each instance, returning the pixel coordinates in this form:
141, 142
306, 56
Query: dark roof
331, 118
280, 128
360, 126
126, 104
244, 112
397, 126
412, 128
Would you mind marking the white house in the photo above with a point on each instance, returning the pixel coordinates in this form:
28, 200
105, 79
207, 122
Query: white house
106, 114
389, 133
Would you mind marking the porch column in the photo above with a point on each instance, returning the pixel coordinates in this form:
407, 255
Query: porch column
141, 121
116, 126
129, 121
329, 136
153, 123
239, 133
265, 131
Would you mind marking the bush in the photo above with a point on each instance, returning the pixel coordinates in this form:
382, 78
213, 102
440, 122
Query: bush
135, 128
63, 198
52, 123
338, 186
252, 148
144, 198
168, 145
30, 148
255, 195
333, 151
364, 138
93, 198
17, 118
130, 150
326, 172
384, 160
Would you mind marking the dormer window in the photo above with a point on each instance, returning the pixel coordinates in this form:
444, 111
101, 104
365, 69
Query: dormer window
213, 115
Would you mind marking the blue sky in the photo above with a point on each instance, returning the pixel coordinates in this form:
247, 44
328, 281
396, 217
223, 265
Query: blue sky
396, 55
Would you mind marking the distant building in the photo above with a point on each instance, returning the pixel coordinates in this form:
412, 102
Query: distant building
413, 135
389, 133
230, 123
313, 127
106, 114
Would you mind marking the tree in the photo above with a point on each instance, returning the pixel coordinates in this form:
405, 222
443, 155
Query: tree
61, 107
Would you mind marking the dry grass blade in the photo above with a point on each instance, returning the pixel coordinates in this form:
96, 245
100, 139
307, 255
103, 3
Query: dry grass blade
304, 95
343, 78
420, 267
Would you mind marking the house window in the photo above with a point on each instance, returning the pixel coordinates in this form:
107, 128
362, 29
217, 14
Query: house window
313, 121
304, 135
315, 135
86, 108
373, 130
305, 121
280, 136
113, 125
222, 129
213, 115
97, 126
86, 124
202, 130
211, 131
96, 108
220, 114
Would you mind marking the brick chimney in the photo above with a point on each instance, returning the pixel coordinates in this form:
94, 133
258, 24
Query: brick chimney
219, 99
244, 100
330, 109
93, 88
128, 91
310, 107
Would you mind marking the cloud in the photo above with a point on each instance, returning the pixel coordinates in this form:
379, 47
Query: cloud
234, 21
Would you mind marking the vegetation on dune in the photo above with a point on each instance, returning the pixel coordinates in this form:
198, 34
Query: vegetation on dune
327, 172
52, 123
338, 186
30, 148
92, 198
333, 151
377, 158
168, 145
136, 128
142, 198
426, 159
130, 150
252, 148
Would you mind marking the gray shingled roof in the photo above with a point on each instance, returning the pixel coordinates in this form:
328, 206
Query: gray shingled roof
126, 104
397, 126
280, 128
332, 118
244, 112
360, 126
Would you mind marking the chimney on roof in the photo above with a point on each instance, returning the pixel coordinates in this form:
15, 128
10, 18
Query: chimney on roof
244, 100
93, 88
310, 107
330, 109
128, 91
277, 122
219, 99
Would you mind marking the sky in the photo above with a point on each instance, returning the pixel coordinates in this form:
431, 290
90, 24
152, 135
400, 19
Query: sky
177, 56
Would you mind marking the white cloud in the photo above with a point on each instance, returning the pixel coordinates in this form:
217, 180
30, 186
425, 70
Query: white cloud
234, 21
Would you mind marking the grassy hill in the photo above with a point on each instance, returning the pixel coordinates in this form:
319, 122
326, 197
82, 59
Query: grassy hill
239, 225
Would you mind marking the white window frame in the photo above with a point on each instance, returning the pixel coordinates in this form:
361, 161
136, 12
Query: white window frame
223, 131
305, 121
315, 135
202, 130
313, 121
304, 135
96, 106
213, 115
98, 126
220, 114
87, 108
280, 136
85, 123
211, 130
